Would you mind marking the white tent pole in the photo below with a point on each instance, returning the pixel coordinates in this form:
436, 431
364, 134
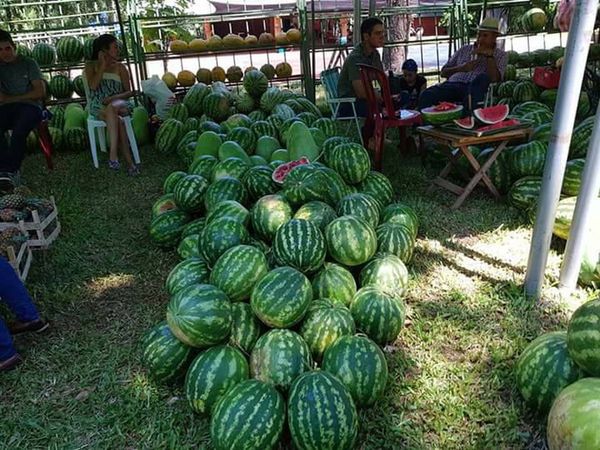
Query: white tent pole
356, 37
578, 45
582, 217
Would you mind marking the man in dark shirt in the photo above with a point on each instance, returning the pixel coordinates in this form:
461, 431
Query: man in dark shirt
410, 84
350, 84
21, 91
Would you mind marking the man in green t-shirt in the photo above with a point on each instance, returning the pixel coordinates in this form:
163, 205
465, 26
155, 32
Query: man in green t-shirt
22, 90
350, 84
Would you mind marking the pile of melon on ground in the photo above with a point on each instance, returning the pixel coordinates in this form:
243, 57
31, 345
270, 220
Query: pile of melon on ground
292, 274
558, 375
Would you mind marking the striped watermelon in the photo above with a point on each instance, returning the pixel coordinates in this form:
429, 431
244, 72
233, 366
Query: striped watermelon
245, 103
378, 186
336, 186
281, 298
271, 97
269, 214
61, 87
187, 272
219, 236
76, 139
263, 128
23, 50
351, 161
529, 106
231, 168
88, 48
307, 118
548, 97
574, 417
388, 273
274, 120
250, 416
542, 133
214, 372
69, 50
505, 89
188, 246
178, 112
525, 91
329, 145
166, 228
316, 212
528, 159
572, 180
284, 112
187, 146
194, 227
229, 208
257, 114
165, 356
245, 327
168, 136
238, 270
403, 214
303, 184
334, 282
226, 188
204, 166
396, 239
315, 399
324, 323
216, 106
362, 206
78, 85
360, 365
165, 203
194, 98
200, 315
327, 126
209, 125
245, 137
299, 244
524, 192
279, 357
255, 83
377, 314
259, 182
581, 138
544, 369
189, 192
539, 117
44, 54
350, 240
308, 106
583, 337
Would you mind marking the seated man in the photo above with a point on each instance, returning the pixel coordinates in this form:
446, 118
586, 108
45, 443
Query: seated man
470, 70
350, 84
410, 85
21, 91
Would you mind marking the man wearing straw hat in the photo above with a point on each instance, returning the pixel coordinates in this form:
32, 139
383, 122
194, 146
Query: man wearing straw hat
470, 70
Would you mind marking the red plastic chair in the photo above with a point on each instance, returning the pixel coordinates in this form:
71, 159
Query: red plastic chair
379, 118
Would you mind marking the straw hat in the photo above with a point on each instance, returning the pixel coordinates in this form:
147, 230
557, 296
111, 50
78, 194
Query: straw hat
490, 24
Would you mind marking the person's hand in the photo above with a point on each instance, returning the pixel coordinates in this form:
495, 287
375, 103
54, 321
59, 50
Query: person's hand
107, 101
102, 59
468, 66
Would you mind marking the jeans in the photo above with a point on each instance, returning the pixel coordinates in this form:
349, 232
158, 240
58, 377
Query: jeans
362, 110
16, 297
21, 118
451, 91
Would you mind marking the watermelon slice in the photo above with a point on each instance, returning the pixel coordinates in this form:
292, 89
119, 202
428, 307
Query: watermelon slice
444, 106
282, 170
503, 124
492, 114
466, 122
441, 113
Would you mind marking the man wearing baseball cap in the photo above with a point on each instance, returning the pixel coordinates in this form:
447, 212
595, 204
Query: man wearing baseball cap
470, 70
410, 84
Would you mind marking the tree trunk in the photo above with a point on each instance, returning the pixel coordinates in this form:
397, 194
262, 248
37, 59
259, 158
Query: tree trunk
398, 28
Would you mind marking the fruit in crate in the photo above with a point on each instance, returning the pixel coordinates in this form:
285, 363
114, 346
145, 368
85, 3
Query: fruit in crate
179, 46
266, 39
170, 80
215, 42
294, 36
492, 114
218, 74
233, 41
198, 45
442, 113
283, 70
234, 74
281, 38
204, 76
251, 40
268, 70
186, 78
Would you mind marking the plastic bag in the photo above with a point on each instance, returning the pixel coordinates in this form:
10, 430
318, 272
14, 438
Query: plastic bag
564, 12
159, 93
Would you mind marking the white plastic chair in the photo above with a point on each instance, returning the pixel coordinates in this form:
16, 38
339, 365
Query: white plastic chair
329, 79
97, 126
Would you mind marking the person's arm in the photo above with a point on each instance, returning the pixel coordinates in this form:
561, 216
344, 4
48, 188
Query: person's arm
452, 67
94, 72
37, 92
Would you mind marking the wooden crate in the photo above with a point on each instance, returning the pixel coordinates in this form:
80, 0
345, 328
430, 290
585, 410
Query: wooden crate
41, 233
20, 260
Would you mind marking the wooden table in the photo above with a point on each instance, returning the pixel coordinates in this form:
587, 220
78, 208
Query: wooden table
462, 142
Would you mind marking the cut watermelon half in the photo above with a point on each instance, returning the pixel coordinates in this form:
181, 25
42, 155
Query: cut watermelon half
492, 114
444, 106
499, 125
282, 170
467, 123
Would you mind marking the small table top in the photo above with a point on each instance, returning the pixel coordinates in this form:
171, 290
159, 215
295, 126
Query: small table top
457, 140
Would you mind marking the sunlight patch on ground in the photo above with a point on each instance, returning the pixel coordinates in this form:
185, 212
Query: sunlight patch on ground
99, 286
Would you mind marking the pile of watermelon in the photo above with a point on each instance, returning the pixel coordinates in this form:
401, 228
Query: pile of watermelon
286, 293
558, 374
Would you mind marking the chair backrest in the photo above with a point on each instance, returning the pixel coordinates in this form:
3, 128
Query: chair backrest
330, 78
368, 74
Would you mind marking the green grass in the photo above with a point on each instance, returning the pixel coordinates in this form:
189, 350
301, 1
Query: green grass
101, 286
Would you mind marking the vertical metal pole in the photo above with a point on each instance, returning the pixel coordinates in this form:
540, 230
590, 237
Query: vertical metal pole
356, 37
371, 8
578, 45
583, 215
305, 50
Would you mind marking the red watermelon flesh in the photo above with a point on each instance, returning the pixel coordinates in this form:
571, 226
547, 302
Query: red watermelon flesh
282, 170
466, 122
503, 124
444, 106
492, 114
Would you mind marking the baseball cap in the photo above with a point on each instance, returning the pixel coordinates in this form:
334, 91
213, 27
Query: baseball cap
410, 65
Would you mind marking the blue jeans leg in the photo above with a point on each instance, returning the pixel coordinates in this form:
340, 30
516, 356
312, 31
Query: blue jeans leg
21, 118
443, 92
16, 297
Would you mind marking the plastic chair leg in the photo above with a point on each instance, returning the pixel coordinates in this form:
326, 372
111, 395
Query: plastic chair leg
131, 137
360, 136
379, 141
102, 138
92, 138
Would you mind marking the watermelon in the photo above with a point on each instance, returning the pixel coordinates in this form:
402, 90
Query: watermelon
225, 188
238, 270
279, 357
360, 205
528, 159
574, 417
76, 139
351, 161
335, 283
499, 172
245, 327
229, 208
491, 114
219, 236
329, 145
189, 193
235, 121
56, 137
245, 103
258, 182
263, 128
529, 106
396, 239
538, 118
299, 244
350, 240
377, 314
193, 99
403, 214
581, 138
388, 273
285, 113
250, 416
524, 192
281, 298
61, 87
188, 246
214, 372
165, 203
525, 91
544, 369
304, 183
360, 365
572, 179
443, 113
244, 137
194, 227
271, 97
166, 228
257, 114
548, 97
269, 214
216, 106
203, 166
583, 106
542, 133
583, 337
189, 271
230, 168
44, 54
534, 20
209, 125
378, 186
316, 212
321, 413
506, 88
168, 136
327, 126
255, 83
324, 323
165, 356
178, 112
200, 315
308, 106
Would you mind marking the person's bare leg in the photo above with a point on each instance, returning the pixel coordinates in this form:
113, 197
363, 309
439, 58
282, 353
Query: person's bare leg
124, 144
109, 115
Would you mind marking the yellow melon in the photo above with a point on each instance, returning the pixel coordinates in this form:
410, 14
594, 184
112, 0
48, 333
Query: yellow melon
268, 70
204, 76
170, 80
234, 74
249, 68
215, 43
294, 35
186, 78
266, 39
233, 41
283, 70
281, 39
218, 74
251, 40
198, 45
179, 46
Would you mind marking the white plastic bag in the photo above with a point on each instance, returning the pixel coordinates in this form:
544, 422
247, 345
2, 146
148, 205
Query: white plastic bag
159, 93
